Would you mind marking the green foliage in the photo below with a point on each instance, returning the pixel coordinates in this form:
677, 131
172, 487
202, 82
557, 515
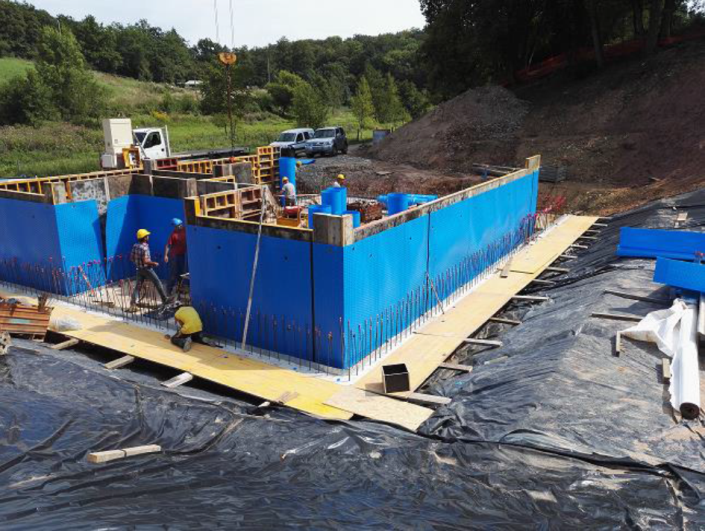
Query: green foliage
362, 106
309, 106
26, 100
62, 70
214, 91
60, 86
282, 90
415, 101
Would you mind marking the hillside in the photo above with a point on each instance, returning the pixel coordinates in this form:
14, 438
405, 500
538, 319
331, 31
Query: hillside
634, 131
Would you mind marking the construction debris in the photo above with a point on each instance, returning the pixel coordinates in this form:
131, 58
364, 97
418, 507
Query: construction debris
20, 319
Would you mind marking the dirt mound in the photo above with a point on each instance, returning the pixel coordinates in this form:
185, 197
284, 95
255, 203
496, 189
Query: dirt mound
635, 130
478, 126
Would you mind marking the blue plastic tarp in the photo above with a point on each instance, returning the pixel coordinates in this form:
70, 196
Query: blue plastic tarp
685, 275
653, 243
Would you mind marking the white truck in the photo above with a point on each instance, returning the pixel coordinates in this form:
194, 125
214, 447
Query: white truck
126, 147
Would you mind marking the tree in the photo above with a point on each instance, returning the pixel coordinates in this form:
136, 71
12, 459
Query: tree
362, 106
392, 109
309, 107
283, 88
415, 101
26, 100
62, 70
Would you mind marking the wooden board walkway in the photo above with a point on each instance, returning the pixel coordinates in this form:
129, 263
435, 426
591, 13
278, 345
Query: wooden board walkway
431, 345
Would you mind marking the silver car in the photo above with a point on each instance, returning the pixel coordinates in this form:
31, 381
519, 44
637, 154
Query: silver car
327, 141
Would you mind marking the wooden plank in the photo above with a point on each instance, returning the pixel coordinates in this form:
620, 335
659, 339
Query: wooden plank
66, 344
591, 238
482, 342
378, 407
666, 370
568, 256
617, 317
577, 246
179, 380
112, 455
643, 298
618, 344
455, 367
502, 320
558, 269
249, 376
119, 363
429, 399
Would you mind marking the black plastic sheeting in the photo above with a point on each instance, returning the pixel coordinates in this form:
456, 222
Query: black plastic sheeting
551, 431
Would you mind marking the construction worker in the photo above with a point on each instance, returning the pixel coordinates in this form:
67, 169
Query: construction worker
288, 192
175, 256
339, 181
141, 257
190, 327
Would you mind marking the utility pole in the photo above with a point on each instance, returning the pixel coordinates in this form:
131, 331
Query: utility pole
228, 60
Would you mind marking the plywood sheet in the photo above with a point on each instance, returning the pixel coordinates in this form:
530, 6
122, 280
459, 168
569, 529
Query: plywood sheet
242, 374
378, 407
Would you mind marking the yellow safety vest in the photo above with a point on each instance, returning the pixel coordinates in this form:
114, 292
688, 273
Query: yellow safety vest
189, 319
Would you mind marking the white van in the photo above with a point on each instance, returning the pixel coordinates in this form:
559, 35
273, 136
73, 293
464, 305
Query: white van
293, 140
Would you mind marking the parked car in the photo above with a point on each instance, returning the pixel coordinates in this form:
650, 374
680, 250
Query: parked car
327, 141
293, 141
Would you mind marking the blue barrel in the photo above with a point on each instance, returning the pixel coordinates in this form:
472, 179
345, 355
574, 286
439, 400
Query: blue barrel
336, 198
287, 168
357, 219
397, 203
316, 209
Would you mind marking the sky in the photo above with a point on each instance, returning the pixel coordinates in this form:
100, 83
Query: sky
256, 22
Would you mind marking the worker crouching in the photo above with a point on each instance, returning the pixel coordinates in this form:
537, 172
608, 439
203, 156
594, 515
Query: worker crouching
189, 328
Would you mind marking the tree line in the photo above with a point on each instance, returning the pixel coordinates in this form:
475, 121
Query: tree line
481, 41
384, 79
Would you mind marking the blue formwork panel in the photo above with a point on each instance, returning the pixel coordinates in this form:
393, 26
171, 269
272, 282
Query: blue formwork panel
155, 215
81, 244
480, 221
329, 283
381, 273
121, 227
686, 275
653, 243
126, 216
29, 244
221, 267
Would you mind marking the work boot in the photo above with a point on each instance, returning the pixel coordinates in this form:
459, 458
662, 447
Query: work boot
187, 344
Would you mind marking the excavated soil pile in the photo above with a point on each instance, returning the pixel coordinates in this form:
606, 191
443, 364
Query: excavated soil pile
479, 126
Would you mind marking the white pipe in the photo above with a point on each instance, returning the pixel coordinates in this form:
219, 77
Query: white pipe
685, 382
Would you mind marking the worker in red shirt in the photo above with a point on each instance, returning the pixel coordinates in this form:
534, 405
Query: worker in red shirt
175, 256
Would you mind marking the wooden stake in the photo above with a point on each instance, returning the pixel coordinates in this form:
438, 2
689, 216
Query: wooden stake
176, 381
502, 320
534, 298
483, 342
666, 370
618, 317
429, 399
455, 367
507, 269
558, 269
66, 344
119, 363
112, 455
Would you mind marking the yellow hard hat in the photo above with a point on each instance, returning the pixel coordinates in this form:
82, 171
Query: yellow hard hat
285, 180
142, 234
299, 163
341, 177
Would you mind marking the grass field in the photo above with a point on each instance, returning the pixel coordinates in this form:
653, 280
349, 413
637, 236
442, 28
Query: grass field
59, 148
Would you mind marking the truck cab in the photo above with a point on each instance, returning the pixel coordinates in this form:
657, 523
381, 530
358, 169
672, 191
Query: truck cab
152, 143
